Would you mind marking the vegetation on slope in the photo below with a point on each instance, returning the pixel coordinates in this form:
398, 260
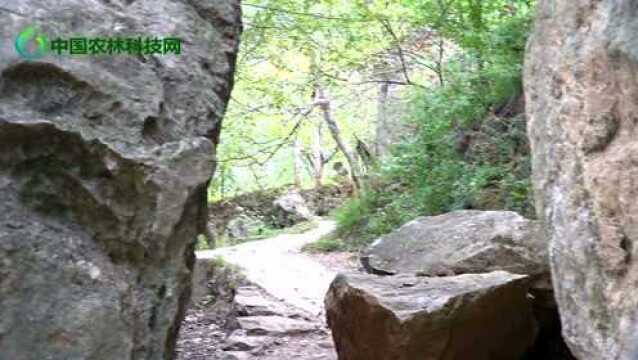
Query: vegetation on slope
470, 150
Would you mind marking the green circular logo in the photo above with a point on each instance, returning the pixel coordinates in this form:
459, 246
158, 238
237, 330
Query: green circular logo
32, 44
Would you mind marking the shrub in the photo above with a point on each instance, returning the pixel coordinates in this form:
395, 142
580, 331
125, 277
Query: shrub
430, 174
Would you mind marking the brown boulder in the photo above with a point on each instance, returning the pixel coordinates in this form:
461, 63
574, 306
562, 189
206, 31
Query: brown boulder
481, 316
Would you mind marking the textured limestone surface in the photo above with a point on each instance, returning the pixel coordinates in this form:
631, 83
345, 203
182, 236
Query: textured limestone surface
581, 90
104, 162
467, 241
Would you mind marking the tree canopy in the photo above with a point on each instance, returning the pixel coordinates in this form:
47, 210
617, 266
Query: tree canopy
347, 50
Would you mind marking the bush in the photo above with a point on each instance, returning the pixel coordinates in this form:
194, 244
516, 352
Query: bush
433, 172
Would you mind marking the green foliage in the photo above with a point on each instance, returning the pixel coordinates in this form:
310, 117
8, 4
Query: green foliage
289, 47
263, 232
372, 214
202, 243
432, 173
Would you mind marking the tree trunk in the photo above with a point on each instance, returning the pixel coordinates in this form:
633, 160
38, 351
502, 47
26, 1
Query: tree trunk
382, 119
324, 104
317, 155
367, 159
297, 151
439, 61
222, 182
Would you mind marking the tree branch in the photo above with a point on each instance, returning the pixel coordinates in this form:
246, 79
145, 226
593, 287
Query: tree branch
327, 159
277, 147
397, 42
314, 15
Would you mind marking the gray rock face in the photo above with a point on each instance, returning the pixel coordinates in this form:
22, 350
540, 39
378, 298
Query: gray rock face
291, 208
402, 317
243, 226
104, 163
581, 93
460, 242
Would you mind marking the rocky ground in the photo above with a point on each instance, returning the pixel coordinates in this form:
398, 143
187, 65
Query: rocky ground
274, 312
261, 327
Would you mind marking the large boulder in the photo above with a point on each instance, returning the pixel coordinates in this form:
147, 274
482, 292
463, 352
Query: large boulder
244, 226
460, 242
581, 91
291, 208
474, 316
104, 164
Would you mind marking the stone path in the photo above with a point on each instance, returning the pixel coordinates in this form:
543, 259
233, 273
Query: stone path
280, 314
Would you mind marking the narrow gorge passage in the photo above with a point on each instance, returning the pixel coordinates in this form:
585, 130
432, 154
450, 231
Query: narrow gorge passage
318, 180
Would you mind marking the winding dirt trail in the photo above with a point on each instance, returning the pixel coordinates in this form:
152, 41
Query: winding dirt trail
279, 267
280, 315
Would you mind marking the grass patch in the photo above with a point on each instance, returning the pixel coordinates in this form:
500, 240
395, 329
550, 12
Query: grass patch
326, 244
